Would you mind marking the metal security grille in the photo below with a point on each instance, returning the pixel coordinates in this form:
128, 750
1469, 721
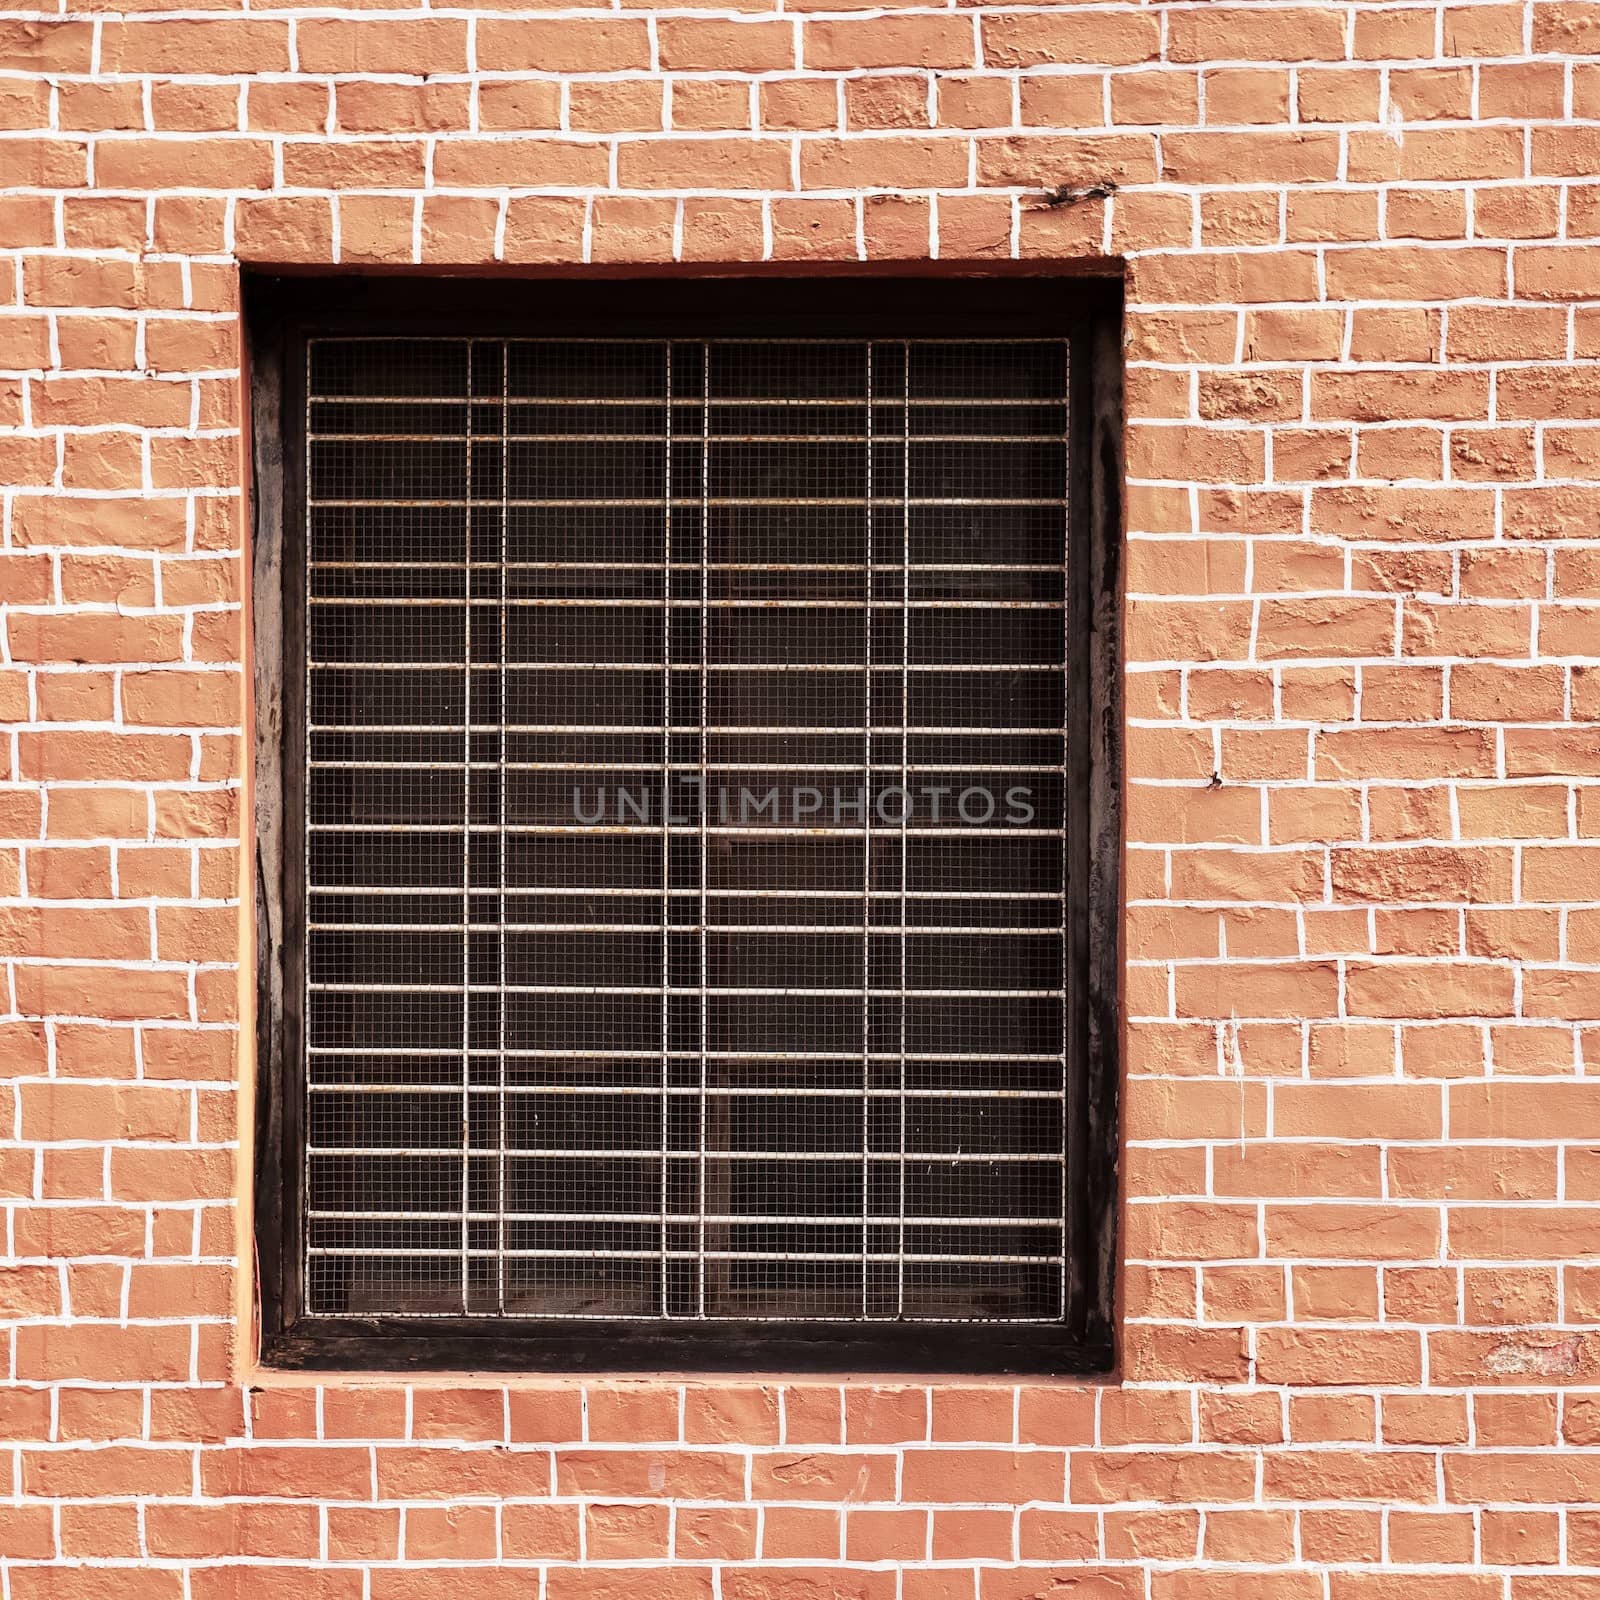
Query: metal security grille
685, 858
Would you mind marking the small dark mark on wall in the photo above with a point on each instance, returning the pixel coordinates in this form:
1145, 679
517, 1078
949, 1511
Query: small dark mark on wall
1072, 194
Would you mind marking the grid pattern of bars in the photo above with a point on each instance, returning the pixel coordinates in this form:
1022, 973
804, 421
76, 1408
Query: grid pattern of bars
685, 867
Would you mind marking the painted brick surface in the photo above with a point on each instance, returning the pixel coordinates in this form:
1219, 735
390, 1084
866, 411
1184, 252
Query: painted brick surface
1361, 1343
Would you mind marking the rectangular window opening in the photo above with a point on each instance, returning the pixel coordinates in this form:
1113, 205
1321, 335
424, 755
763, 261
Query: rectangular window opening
689, 923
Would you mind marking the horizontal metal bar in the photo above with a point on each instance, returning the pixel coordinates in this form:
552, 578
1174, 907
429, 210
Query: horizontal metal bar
656, 603
681, 402
673, 566
702, 1153
729, 341
647, 1218
952, 669
855, 668
685, 1092
732, 341
710, 729
455, 891
807, 929
709, 437
739, 1318
966, 769
583, 1252
695, 502
654, 990
565, 1053
655, 831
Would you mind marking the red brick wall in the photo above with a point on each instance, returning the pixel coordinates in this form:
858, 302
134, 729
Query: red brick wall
1362, 1232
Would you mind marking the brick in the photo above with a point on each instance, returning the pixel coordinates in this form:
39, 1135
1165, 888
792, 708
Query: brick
344, 45
1103, 1583
823, 1476
888, 41
113, 993
1396, 1476
361, 1532
69, 1111
703, 45
1030, 161
362, 107
883, 163
566, 44
616, 1583
223, 47
366, 163
284, 228
234, 163
704, 164
276, 1583
111, 1354
1292, 34
540, 1531
1006, 1477
690, 1475
475, 1414
64, 46
452, 1533
544, 1416
1168, 1475
727, 1415
95, 637
95, 1583
254, 1530
330, 1472
544, 229
1021, 40
632, 228
631, 1413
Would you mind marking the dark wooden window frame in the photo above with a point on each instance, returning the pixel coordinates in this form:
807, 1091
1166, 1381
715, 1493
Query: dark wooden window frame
281, 313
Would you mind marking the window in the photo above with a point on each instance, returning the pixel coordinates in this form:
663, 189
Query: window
690, 850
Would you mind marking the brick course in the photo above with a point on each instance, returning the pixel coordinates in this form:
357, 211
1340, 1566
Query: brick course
1360, 1351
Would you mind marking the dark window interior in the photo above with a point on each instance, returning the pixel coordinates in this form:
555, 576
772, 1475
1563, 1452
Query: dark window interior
689, 838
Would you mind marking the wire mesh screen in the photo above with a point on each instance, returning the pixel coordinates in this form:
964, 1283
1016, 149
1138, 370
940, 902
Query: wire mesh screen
685, 859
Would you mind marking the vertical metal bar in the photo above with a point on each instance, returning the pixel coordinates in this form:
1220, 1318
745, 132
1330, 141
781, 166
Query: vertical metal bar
866, 886
303, 1247
905, 722
703, 798
666, 832
466, 864
1068, 621
500, 869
